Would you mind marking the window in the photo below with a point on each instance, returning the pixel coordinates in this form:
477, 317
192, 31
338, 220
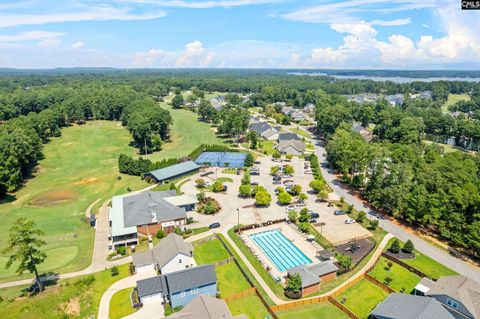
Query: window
180, 261
452, 303
194, 291
182, 294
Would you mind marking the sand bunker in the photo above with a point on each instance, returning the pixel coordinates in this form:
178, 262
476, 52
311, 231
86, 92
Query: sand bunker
55, 198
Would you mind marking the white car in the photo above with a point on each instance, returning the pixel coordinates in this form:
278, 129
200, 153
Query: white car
350, 221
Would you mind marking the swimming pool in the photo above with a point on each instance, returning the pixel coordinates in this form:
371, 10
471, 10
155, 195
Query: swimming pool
279, 250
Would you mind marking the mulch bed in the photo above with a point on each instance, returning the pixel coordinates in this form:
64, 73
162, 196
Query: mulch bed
400, 255
366, 246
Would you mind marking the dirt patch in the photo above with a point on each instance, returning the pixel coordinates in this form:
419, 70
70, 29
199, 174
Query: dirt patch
55, 198
87, 181
71, 307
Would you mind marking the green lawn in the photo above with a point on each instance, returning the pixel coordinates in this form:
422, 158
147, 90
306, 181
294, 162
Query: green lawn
426, 264
447, 148
187, 133
454, 98
210, 252
229, 171
268, 147
69, 299
363, 297
230, 280
79, 167
199, 230
299, 132
402, 279
120, 305
320, 310
251, 306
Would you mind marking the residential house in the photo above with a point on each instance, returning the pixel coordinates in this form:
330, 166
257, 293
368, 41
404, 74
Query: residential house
264, 130
313, 275
395, 100
145, 214
458, 294
403, 306
205, 307
171, 172
297, 115
218, 102
366, 134
171, 254
287, 136
291, 147
309, 108
180, 287
426, 95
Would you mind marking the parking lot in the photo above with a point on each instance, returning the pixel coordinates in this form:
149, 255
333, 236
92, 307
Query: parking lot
334, 229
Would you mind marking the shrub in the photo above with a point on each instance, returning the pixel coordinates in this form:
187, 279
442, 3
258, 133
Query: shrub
302, 197
288, 169
388, 280
122, 250
322, 195
284, 198
200, 182
294, 283
246, 179
395, 246
373, 224
160, 234
344, 261
201, 197
249, 159
245, 190
304, 227
360, 217
317, 185
295, 190
304, 217
289, 156
408, 247
114, 271
217, 187
274, 169
262, 198
292, 216
276, 155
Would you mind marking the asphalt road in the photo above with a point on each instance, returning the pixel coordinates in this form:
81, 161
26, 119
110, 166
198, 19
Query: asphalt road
422, 246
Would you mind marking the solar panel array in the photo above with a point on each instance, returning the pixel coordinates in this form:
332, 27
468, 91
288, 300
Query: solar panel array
220, 159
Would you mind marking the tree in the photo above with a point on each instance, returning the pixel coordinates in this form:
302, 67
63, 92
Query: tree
274, 170
304, 217
160, 234
245, 179
200, 182
292, 216
245, 190
304, 227
373, 224
289, 156
217, 186
322, 195
360, 217
408, 247
294, 283
177, 101
276, 155
253, 138
23, 247
262, 198
288, 169
344, 261
284, 198
249, 160
395, 246
302, 197
295, 190
317, 185
114, 271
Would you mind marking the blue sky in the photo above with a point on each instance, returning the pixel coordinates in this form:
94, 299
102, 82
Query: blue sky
396, 34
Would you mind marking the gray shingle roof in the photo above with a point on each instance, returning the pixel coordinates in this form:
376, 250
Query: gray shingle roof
458, 287
288, 136
297, 145
174, 170
149, 286
163, 252
205, 307
259, 127
402, 306
149, 207
189, 278
311, 274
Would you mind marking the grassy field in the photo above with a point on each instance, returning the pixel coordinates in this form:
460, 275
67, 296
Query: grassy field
251, 306
454, 98
230, 280
447, 148
402, 279
79, 167
426, 264
268, 147
363, 297
319, 310
187, 133
210, 252
120, 305
71, 298
299, 132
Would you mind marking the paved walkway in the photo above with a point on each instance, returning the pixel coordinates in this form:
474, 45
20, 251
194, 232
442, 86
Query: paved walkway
128, 282
88, 211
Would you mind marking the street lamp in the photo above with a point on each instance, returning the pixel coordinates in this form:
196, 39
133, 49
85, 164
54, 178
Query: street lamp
238, 220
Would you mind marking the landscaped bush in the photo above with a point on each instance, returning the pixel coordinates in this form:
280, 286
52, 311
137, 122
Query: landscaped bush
114, 271
208, 206
284, 198
160, 234
262, 198
317, 185
293, 289
217, 187
360, 217
200, 182
395, 246
295, 190
408, 247
249, 160
373, 224
344, 261
122, 250
245, 190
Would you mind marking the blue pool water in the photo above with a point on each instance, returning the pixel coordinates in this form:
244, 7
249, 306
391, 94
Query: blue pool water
279, 250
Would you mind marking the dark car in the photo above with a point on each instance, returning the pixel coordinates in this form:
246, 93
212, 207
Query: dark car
257, 162
312, 221
254, 183
314, 215
224, 189
277, 178
339, 212
214, 225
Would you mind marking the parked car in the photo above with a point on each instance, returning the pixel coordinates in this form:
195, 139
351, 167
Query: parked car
308, 172
224, 189
287, 181
214, 225
312, 221
277, 178
257, 162
207, 173
276, 182
290, 209
349, 221
254, 183
339, 212
255, 173
314, 215
301, 204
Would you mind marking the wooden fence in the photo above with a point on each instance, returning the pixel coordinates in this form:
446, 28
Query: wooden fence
224, 262
299, 303
378, 283
405, 265
204, 240
347, 311
241, 295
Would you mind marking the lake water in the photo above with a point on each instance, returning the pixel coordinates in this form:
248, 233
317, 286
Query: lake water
396, 79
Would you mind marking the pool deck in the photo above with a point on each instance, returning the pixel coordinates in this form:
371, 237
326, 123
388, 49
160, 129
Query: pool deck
300, 242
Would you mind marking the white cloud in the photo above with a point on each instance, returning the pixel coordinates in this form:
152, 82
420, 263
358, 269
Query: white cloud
77, 45
203, 4
50, 43
30, 35
87, 13
194, 56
